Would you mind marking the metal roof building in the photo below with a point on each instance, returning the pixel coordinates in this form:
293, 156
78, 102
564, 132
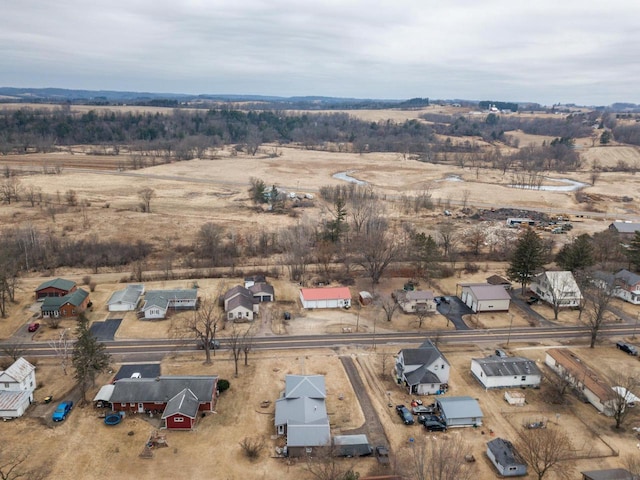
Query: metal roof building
497, 372
460, 411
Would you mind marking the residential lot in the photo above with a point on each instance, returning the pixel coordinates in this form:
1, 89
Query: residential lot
85, 447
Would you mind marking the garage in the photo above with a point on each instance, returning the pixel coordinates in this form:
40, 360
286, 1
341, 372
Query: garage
331, 297
484, 297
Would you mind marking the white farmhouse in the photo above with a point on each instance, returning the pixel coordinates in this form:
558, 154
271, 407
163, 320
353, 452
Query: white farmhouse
557, 288
17, 384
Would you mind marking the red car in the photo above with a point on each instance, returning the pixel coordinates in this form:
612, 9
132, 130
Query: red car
33, 327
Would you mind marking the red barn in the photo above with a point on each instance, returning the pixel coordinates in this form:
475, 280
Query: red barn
58, 287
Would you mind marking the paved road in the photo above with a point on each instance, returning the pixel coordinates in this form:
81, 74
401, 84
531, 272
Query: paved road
372, 426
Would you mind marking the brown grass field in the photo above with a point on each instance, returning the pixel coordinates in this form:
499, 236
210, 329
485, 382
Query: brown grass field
191, 193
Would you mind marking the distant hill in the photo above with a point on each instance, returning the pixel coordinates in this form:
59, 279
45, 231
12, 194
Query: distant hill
111, 97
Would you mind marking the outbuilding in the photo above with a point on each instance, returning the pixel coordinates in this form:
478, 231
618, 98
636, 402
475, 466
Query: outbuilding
484, 297
460, 411
352, 445
505, 458
126, 300
330, 297
500, 372
515, 398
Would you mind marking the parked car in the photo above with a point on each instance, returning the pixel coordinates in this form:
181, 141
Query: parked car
404, 414
422, 419
33, 326
213, 344
424, 409
62, 410
437, 300
382, 454
287, 316
625, 347
433, 426
532, 299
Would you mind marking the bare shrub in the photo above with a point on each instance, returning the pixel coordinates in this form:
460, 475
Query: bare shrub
252, 447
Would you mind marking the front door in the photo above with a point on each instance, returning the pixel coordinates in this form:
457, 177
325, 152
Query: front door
141, 408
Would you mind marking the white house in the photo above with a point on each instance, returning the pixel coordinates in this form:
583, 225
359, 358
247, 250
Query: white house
158, 302
627, 286
330, 297
597, 392
126, 300
460, 411
416, 301
484, 297
17, 384
423, 370
501, 372
240, 308
557, 288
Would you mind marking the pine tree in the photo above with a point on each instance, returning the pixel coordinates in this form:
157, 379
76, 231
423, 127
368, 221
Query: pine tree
89, 358
633, 251
527, 258
577, 255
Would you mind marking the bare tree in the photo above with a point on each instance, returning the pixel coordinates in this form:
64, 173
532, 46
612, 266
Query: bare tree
247, 344
475, 237
598, 296
296, 242
376, 249
421, 314
63, 348
562, 291
33, 195
389, 306
625, 382
235, 346
545, 450
429, 458
13, 351
14, 466
325, 464
204, 325
448, 238
146, 195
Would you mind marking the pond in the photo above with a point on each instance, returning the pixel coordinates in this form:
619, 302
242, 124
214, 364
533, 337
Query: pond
346, 176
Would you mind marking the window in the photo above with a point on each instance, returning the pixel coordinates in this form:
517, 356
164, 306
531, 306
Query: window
308, 450
524, 378
178, 419
513, 469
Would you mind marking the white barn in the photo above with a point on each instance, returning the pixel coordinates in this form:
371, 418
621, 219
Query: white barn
484, 297
17, 384
504, 372
331, 297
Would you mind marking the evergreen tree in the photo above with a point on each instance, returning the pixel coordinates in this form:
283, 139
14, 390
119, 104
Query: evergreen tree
89, 358
336, 227
576, 255
633, 251
527, 258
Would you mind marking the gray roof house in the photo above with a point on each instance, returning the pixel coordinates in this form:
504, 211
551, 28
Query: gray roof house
301, 414
500, 372
460, 411
240, 308
158, 302
125, 300
609, 474
416, 301
423, 370
505, 458
625, 228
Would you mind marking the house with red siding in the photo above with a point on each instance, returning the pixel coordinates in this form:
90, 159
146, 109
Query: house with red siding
58, 287
67, 306
178, 399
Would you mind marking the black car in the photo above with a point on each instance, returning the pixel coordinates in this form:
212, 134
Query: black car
213, 344
429, 418
404, 414
433, 426
625, 347
531, 300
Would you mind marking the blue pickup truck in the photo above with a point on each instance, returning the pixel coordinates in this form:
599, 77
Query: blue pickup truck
62, 410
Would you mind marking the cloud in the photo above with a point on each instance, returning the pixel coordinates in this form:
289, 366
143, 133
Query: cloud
540, 51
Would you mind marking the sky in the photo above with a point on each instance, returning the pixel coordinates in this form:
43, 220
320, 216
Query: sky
546, 51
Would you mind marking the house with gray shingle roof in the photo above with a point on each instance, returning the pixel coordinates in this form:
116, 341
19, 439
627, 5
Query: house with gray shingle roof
126, 300
157, 303
627, 286
501, 372
17, 384
172, 396
625, 228
181, 411
423, 370
301, 414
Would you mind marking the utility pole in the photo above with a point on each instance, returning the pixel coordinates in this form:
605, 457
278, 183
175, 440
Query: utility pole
635, 327
510, 324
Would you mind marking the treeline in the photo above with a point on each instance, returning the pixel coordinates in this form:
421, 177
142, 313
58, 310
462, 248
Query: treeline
27, 129
492, 126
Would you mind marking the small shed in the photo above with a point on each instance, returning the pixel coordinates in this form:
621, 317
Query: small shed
505, 458
515, 398
365, 298
352, 445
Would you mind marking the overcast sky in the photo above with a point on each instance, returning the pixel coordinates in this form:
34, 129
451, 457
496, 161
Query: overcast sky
546, 51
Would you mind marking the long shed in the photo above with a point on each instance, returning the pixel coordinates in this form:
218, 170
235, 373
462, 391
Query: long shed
329, 297
505, 458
